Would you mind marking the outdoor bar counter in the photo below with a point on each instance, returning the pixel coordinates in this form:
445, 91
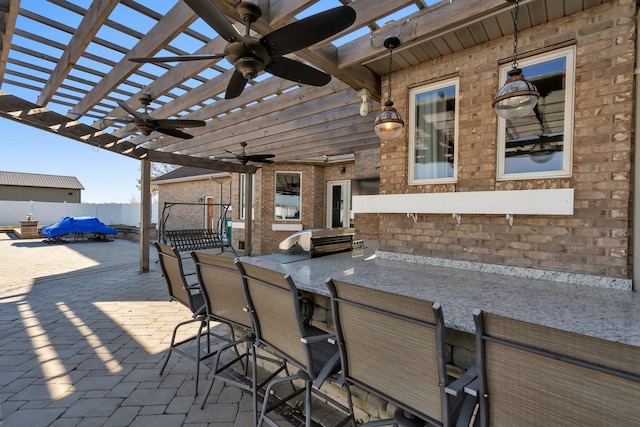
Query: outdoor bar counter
608, 313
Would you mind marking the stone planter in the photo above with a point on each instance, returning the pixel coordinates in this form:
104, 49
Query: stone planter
29, 229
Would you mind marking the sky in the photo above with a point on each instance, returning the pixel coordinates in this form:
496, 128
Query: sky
106, 177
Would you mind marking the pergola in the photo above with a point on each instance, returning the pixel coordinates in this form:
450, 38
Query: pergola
64, 64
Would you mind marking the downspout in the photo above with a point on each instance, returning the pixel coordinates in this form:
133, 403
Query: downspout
636, 167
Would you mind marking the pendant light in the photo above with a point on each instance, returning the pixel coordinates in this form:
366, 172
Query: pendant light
518, 96
389, 124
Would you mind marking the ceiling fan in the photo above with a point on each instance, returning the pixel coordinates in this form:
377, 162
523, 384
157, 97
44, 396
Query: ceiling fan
146, 124
245, 158
250, 55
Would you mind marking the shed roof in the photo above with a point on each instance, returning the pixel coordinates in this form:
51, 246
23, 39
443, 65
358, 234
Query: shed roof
22, 179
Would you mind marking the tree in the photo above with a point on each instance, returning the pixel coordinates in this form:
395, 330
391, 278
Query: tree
158, 169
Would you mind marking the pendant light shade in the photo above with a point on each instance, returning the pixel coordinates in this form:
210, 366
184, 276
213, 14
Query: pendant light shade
389, 124
518, 96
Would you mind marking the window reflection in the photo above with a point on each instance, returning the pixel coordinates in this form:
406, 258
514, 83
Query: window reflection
433, 138
536, 143
287, 197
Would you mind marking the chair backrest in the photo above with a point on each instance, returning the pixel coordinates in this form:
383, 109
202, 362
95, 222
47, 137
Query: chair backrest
221, 286
540, 376
393, 346
273, 303
172, 270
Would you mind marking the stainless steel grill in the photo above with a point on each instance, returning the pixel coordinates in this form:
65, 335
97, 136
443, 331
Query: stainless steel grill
319, 241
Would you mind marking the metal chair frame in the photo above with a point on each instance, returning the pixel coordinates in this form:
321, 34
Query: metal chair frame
402, 353
221, 286
272, 295
538, 375
190, 296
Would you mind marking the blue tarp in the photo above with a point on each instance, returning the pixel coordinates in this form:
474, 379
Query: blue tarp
83, 224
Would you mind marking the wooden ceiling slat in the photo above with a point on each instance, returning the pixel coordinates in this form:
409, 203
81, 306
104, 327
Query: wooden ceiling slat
280, 12
7, 33
216, 109
293, 132
96, 15
178, 18
262, 124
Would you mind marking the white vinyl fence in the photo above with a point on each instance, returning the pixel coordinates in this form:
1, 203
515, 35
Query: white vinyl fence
11, 212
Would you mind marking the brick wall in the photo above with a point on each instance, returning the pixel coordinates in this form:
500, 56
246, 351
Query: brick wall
314, 196
192, 216
595, 240
367, 166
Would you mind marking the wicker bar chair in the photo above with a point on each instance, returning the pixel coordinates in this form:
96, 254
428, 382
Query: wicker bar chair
225, 302
540, 376
280, 327
190, 296
393, 346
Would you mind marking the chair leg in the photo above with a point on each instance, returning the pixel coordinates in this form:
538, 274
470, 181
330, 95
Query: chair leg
173, 342
265, 403
197, 378
254, 382
307, 403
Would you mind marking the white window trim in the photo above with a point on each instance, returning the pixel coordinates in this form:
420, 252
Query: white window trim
347, 201
412, 121
570, 54
275, 184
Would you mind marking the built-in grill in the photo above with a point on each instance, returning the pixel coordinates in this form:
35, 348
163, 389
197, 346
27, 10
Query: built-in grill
319, 241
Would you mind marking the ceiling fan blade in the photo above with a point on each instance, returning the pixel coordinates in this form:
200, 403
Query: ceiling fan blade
309, 31
236, 85
257, 159
177, 58
180, 123
116, 119
174, 132
213, 16
126, 107
254, 157
297, 72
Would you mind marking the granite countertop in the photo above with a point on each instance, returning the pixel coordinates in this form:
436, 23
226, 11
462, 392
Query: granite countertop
611, 314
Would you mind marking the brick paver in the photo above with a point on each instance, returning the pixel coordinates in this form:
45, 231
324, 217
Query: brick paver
82, 338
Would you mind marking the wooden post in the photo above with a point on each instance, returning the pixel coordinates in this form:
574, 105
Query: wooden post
145, 213
248, 215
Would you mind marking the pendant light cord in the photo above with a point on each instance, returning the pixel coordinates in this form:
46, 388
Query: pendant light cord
390, 67
514, 55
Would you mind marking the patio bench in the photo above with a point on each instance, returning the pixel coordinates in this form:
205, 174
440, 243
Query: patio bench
195, 239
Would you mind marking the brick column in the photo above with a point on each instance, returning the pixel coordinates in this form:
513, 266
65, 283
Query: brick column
29, 229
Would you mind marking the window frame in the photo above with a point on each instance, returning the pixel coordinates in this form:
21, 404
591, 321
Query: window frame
569, 53
455, 82
275, 193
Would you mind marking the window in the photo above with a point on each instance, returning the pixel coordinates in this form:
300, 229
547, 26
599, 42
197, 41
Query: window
287, 196
243, 193
433, 115
539, 145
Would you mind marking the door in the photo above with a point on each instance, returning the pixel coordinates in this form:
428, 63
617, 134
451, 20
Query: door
338, 204
211, 221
